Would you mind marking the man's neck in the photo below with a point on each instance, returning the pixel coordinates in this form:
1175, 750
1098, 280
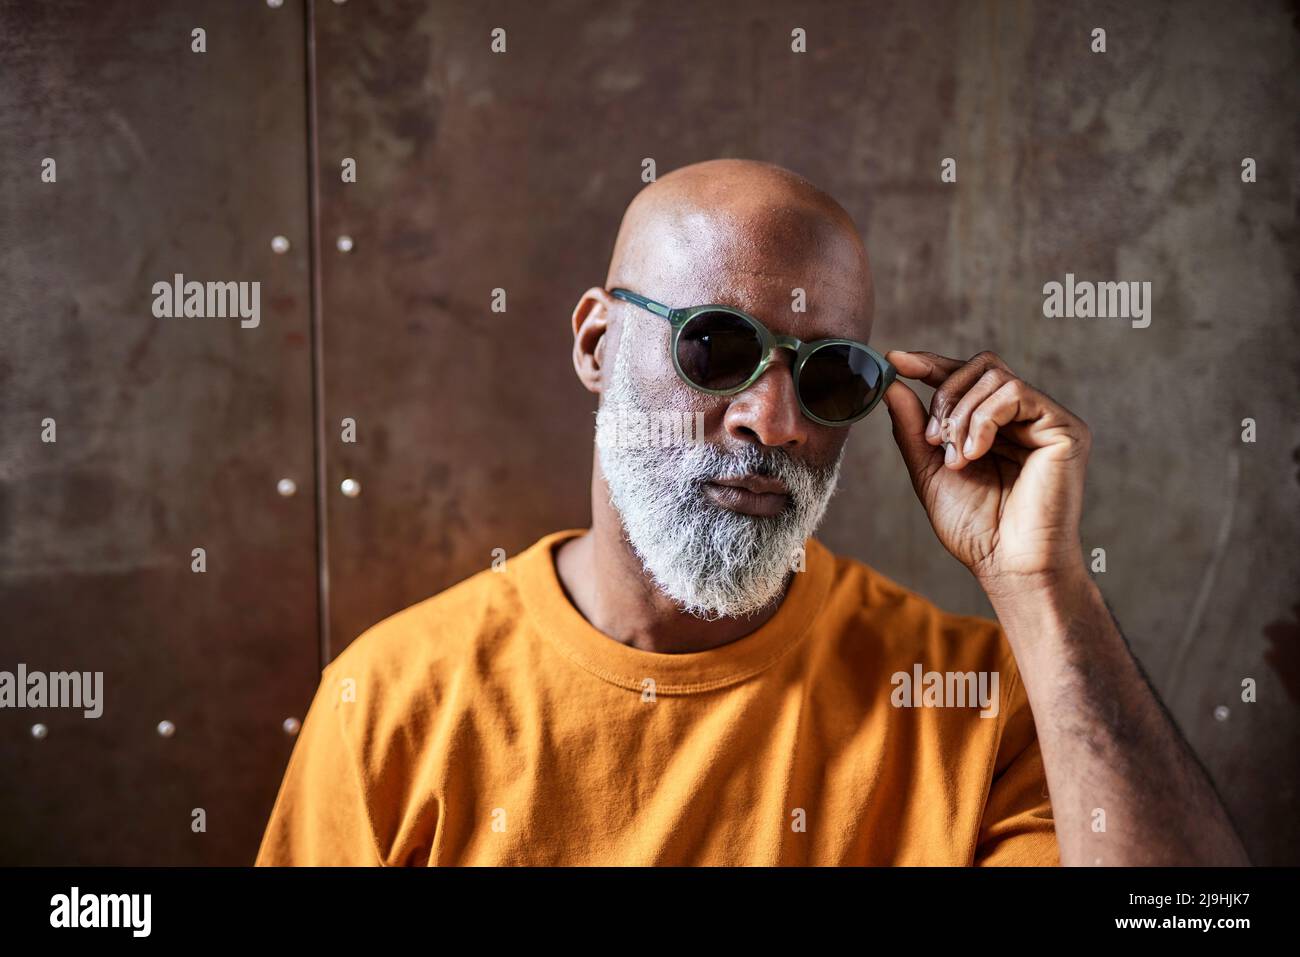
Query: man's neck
605, 581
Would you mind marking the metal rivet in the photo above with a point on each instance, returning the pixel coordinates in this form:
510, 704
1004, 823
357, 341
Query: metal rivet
350, 487
286, 487
166, 729
39, 731
1221, 713
280, 245
291, 726
273, 4
345, 244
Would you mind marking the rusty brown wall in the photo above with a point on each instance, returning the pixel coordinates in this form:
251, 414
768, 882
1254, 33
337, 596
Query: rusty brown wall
171, 434
479, 171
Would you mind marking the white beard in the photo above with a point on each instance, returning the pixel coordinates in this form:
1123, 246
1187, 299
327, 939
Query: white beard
711, 561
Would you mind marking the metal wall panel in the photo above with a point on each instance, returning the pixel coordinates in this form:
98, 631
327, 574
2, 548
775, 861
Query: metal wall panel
171, 433
479, 171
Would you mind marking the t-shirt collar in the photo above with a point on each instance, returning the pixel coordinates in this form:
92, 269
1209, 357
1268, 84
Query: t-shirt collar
564, 627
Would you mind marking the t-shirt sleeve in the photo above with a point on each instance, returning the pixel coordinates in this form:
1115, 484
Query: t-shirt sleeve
320, 817
1017, 828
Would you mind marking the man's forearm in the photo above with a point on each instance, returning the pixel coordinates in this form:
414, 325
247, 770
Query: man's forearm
1126, 789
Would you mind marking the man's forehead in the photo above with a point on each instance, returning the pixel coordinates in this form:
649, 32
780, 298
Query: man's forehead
768, 264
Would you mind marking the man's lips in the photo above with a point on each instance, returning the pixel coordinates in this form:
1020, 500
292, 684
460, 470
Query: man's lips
758, 484
749, 494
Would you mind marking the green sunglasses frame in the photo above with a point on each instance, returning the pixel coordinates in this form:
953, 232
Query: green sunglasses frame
770, 342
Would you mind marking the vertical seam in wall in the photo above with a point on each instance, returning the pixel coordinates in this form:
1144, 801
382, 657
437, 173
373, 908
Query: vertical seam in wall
317, 348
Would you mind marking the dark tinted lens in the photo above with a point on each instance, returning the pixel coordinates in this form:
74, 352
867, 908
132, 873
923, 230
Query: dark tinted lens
718, 350
838, 382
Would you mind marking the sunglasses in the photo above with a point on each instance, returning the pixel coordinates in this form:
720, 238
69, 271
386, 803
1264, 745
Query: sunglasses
721, 350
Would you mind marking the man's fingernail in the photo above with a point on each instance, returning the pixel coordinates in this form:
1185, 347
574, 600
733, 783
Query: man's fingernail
968, 446
932, 429
950, 453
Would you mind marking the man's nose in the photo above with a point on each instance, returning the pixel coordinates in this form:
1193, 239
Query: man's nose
768, 411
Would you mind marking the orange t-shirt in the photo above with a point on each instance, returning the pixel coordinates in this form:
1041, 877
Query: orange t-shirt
492, 724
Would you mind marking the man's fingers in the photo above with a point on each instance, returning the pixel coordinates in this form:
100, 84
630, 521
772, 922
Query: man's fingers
1027, 416
927, 367
908, 415
1011, 402
949, 377
1009, 450
958, 383
980, 400
953, 428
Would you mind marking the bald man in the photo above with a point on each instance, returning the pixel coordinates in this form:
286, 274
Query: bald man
696, 679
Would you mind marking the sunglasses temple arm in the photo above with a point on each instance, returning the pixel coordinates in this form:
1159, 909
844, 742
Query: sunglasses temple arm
658, 308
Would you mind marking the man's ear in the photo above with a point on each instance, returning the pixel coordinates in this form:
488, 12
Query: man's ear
590, 342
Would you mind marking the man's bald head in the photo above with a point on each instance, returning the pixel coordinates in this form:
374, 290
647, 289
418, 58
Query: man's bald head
746, 234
